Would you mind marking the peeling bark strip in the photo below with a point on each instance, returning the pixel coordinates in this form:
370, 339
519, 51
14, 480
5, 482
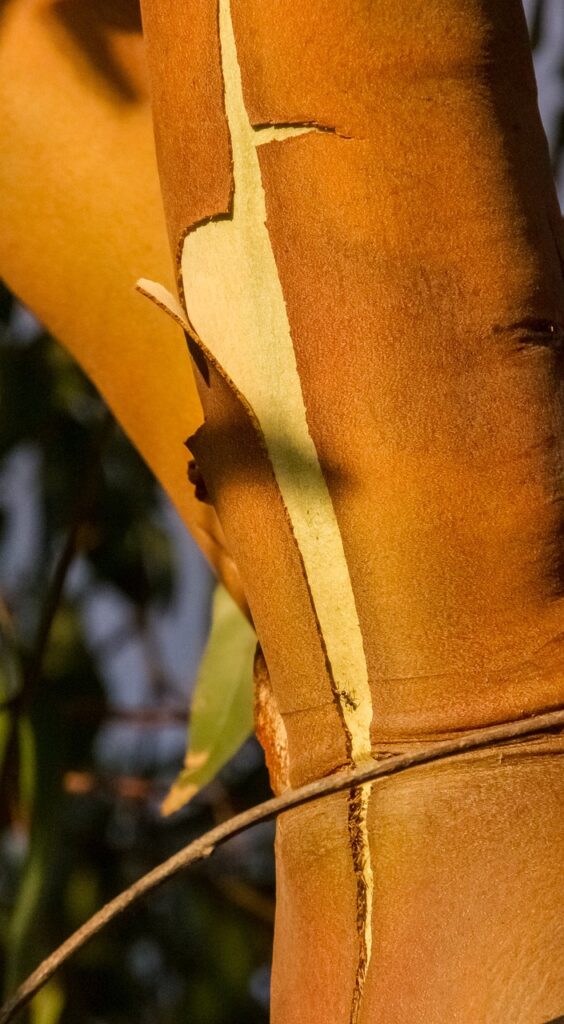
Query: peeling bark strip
248, 332
269, 726
235, 303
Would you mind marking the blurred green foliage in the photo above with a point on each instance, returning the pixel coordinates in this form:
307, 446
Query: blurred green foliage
75, 827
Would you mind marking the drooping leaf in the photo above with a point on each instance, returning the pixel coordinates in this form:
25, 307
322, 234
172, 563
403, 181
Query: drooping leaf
221, 715
40, 747
81, 222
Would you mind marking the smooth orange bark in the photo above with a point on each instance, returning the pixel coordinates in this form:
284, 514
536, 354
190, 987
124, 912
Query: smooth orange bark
419, 247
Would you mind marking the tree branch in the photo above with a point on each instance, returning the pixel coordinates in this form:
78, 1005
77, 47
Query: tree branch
479, 739
86, 495
32, 674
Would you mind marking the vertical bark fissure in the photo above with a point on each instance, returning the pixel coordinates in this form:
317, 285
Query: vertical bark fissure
359, 798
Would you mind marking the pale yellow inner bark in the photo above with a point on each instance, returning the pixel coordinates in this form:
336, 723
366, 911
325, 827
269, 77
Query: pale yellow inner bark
235, 303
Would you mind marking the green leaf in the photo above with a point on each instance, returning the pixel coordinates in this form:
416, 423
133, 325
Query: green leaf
40, 754
48, 1004
221, 716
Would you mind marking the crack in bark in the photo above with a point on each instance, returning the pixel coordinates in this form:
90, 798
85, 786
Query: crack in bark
359, 798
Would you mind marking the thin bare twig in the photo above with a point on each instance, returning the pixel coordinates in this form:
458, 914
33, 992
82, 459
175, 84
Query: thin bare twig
94, 710
126, 787
32, 675
479, 739
66, 556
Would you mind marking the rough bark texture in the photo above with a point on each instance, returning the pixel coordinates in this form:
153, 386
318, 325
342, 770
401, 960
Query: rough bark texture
418, 245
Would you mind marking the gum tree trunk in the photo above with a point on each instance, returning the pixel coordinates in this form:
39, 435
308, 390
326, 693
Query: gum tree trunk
369, 258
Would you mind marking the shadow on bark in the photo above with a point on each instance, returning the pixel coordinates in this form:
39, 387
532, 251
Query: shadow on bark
91, 26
